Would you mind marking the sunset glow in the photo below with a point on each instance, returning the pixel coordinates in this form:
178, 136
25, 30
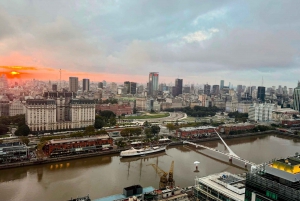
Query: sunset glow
14, 73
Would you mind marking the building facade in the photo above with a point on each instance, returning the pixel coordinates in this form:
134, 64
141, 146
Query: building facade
73, 84
261, 112
296, 97
86, 85
178, 87
115, 108
58, 114
153, 83
261, 93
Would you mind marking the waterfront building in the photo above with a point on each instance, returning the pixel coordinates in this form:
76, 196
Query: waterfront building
221, 84
261, 112
277, 180
261, 93
291, 122
73, 84
86, 85
194, 131
13, 151
279, 114
296, 97
153, 83
59, 147
220, 186
235, 128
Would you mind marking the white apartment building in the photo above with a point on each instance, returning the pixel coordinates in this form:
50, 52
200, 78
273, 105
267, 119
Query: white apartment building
50, 114
16, 107
261, 112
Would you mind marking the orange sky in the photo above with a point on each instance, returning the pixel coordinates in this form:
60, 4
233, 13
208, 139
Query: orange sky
43, 73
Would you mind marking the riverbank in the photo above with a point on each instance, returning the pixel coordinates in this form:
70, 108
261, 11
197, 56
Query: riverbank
110, 152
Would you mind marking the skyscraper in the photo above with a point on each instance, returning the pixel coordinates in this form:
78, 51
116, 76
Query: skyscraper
239, 89
261, 93
100, 85
132, 87
127, 87
86, 84
153, 83
73, 84
215, 89
296, 97
207, 89
178, 86
222, 84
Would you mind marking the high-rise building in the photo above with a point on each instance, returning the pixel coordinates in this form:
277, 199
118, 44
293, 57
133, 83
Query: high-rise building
296, 97
275, 181
207, 89
178, 86
221, 84
54, 87
73, 84
86, 85
153, 83
100, 85
127, 87
132, 87
261, 93
239, 89
215, 89
261, 112
104, 83
3, 82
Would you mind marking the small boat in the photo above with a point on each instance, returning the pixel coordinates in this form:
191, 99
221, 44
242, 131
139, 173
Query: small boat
142, 152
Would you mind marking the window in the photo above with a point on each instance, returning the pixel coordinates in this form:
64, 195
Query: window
271, 195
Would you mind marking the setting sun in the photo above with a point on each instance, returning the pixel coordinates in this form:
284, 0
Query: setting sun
14, 73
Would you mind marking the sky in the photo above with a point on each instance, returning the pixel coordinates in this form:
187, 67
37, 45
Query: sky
118, 40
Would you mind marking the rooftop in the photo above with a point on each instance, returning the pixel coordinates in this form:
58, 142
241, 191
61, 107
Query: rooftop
226, 183
58, 141
196, 128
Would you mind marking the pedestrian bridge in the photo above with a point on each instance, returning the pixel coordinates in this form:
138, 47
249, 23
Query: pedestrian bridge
231, 155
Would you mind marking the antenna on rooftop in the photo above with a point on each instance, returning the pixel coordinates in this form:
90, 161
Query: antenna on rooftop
60, 79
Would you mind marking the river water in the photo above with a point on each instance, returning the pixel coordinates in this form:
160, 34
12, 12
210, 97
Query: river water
106, 175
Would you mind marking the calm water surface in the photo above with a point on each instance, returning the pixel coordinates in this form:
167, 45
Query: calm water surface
106, 175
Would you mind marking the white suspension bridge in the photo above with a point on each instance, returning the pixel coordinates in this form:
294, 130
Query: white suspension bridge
234, 158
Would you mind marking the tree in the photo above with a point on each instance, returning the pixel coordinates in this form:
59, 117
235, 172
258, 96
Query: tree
106, 114
112, 121
101, 132
18, 119
3, 129
22, 130
171, 127
89, 130
25, 140
5, 120
155, 129
99, 122
146, 124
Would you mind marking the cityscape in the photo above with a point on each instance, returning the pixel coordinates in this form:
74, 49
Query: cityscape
144, 101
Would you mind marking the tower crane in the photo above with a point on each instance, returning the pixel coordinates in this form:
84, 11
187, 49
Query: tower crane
165, 180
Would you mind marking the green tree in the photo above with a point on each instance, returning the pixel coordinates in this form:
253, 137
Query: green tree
101, 132
171, 127
146, 124
25, 140
18, 119
155, 129
89, 130
112, 121
5, 120
22, 130
3, 129
99, 122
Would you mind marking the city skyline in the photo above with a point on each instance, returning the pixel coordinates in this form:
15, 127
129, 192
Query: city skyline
202, 42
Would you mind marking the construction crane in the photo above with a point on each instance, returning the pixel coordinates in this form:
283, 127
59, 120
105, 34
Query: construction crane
164, 180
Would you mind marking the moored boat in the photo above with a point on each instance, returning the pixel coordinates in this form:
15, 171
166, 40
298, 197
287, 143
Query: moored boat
143, 151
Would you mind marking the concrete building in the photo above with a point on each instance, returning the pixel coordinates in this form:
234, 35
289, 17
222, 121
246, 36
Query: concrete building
221, 84
54, 87
220, 186
59, 111
141, 103
100, 85
16, 107
215, 90
296, 97
207, 89
279, 114
118, 110
261, 93
132, 88
153, 83
261, 112
73, 84
86, 85
178, 87
240, 127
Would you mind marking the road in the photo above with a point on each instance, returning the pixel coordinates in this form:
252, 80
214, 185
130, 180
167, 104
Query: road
173, 117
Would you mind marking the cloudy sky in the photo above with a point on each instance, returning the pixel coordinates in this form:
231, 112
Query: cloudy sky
117, 40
